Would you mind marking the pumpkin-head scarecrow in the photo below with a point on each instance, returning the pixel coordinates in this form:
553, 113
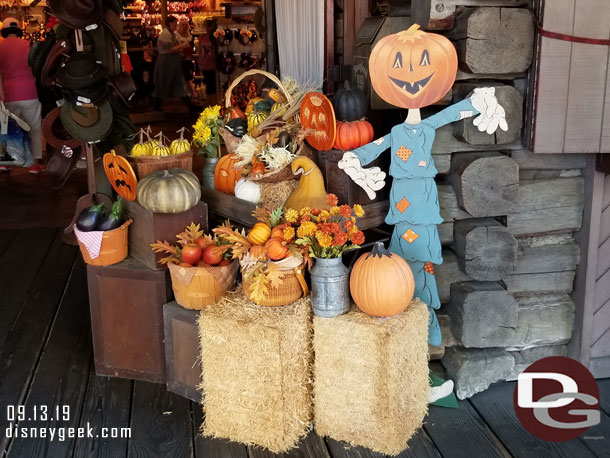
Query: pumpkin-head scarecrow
412, 69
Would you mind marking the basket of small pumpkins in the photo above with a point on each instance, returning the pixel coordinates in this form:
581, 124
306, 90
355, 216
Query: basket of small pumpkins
150, 156
272, 265
201, 267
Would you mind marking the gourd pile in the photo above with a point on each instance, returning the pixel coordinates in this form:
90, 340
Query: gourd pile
158, 147
350, 107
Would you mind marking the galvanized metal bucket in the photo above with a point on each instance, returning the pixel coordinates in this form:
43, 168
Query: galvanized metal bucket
207, 172
330, 288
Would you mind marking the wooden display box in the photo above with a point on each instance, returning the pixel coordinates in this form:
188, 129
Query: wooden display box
182, 351
148, 227
126, 301
339, 183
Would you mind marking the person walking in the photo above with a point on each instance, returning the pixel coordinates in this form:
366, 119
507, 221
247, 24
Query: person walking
18, 86
168, 78
183, 35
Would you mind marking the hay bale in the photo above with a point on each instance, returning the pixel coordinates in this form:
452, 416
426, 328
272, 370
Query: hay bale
371, 377
274, 195
256, 364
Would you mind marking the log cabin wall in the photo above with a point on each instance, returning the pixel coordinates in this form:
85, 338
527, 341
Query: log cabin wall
510, 216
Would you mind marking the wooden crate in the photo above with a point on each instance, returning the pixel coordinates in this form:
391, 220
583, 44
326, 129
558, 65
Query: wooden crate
126, 301
239, 211
340, 184
148, 227
182, 362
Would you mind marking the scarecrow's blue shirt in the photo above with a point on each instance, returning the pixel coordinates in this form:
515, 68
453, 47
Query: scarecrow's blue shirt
414, 197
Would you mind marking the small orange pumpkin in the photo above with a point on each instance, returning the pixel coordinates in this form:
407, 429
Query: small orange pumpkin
121, 175
351, 135
278, 231
234, 112
258, 252
225, 174
381, 282
259, 233
276, 249
412, 68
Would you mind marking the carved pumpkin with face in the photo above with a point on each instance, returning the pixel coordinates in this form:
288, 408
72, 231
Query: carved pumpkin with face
412, 68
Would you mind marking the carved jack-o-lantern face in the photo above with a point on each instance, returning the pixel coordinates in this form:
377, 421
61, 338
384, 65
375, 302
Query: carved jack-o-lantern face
318, 115
121, 175
412, 68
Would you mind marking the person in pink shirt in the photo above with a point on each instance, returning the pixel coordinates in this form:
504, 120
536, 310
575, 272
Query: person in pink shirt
18, 86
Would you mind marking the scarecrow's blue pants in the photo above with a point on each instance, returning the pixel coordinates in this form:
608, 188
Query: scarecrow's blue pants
413, 243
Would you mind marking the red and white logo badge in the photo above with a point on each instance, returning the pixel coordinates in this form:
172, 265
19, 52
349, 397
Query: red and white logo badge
557, 399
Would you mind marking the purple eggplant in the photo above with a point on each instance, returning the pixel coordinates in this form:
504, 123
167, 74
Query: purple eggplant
90, 218
114, 219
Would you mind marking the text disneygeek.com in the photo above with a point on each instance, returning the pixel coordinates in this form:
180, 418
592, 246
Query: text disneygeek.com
19, 416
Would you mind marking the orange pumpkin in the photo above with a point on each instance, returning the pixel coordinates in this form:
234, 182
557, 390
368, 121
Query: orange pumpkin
258, 252
276, 249
412, 68
120, 175
351, 135
234, 112
259, 233
278, 231
381, 282
225, 174
318, 116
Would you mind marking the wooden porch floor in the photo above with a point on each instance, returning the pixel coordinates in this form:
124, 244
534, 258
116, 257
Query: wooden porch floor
46, 359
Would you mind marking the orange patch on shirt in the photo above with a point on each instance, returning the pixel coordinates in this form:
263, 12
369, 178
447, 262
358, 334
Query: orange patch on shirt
429, 267
404, 153
403, 205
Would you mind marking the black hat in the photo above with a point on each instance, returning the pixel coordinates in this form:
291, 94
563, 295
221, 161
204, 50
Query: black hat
78, 14
81, 71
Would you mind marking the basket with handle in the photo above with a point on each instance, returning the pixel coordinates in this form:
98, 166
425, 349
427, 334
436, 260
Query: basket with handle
145, 165
292, 287
275, 176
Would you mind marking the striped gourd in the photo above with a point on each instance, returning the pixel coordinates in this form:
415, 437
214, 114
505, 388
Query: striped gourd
169, 191
255, 118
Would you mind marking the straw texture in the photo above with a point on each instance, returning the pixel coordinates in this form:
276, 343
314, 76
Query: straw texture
256, 365
371, 377
274, 195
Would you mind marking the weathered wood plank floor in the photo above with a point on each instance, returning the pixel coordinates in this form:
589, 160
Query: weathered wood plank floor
46, 359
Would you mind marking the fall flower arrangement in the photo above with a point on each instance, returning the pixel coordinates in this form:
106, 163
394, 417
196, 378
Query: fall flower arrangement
326, 233
206, 135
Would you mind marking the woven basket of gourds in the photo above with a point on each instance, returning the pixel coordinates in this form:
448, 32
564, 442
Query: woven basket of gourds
292, 287
274, 176
145, 165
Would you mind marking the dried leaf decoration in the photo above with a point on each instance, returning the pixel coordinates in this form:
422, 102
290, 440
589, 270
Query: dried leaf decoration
190, 234
165, 247
276, 216
262, 214
258, 287
274, 275
238, 241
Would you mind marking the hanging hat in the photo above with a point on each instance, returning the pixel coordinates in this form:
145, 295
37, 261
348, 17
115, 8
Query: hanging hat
61, 164
11, 26
124, 86
54, 132
78, 14
88, 124
81, 70
114, 23
53, 62
93, 94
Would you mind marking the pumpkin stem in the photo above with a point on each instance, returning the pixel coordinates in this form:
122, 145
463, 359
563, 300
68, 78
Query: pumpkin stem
379, 250
141, 136
346, 85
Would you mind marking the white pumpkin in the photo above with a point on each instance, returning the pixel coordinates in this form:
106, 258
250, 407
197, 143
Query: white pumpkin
248, 190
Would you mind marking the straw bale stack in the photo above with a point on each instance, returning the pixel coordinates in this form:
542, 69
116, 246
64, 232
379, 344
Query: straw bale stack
256, 365
371, 377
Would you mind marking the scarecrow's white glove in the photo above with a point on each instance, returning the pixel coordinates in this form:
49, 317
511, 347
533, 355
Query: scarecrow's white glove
491, 112
370, 180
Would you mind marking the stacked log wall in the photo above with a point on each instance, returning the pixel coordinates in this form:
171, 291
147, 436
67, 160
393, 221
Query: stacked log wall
509, 216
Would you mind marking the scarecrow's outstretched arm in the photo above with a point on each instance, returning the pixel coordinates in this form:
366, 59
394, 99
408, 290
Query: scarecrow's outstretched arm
372, 179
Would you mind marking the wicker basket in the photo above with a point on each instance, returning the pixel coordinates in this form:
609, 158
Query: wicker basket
196, 287
145, 165
292, 288
277, 175
113, 249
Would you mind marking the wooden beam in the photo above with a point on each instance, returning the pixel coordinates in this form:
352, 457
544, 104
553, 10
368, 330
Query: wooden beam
329, 46
164, 11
